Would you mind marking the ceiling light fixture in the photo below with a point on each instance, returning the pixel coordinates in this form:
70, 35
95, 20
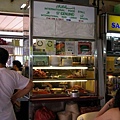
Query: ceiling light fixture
11, 33
23, 6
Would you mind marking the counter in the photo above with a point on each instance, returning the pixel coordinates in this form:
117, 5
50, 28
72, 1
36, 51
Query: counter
66, 98
58, 103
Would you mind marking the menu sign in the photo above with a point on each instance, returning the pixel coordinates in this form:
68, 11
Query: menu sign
84, 48
57, 11
60, 47
45, 46
70, 47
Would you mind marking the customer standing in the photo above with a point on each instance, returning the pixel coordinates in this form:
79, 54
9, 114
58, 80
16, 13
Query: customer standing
17, 66
9, 81
111, 110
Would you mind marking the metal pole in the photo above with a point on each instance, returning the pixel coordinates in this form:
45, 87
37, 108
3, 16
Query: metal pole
101, 83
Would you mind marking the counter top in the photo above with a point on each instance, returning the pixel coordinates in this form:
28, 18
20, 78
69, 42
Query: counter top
66, 98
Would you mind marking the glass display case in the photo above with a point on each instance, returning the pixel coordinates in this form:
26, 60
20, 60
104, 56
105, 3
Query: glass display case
61, 57
113, 64
111, 52
63, 64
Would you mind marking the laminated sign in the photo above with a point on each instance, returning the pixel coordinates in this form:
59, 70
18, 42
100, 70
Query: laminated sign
40, 44
60, 47
50, 47
84, 48
69, 47
40, 47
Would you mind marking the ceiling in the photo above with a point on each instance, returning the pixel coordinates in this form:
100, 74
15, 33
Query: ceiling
13, 23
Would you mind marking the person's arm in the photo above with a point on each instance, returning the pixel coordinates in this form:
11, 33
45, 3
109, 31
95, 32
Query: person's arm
21, 93
107, 106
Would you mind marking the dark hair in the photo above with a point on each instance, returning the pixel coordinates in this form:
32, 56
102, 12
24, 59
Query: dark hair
117, 99
18, 64
3, 56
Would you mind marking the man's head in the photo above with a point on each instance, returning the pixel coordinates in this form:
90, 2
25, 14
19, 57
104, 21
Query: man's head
3, 56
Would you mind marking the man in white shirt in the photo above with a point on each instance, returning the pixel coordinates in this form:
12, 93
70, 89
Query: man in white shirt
9, 81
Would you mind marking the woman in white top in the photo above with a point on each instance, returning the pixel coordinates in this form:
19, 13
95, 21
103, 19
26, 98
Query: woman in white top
9, 81
111, 110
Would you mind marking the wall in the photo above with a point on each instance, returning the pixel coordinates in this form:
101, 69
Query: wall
8, 6
108, 5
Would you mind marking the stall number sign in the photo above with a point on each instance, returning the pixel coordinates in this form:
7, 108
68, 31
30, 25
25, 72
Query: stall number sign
56, 11
114, 23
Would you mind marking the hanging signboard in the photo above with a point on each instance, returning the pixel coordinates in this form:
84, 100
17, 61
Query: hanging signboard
46, 10
63, 20
113, 23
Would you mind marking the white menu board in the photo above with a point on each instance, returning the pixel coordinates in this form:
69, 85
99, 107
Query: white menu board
56, 11
63, 20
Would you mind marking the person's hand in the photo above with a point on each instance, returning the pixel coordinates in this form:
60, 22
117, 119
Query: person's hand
111, 102
13, 100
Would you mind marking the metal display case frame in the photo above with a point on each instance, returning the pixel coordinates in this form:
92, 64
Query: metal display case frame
32, 36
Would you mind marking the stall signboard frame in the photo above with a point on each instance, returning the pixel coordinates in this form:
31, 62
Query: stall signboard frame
113, 23
52, 19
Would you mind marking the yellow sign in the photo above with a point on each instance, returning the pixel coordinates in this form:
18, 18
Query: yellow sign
114, 23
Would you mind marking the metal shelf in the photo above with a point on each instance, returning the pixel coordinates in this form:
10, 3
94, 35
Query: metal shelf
61, 67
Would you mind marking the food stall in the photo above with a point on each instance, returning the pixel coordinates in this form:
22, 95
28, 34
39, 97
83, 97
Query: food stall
63, 57
110, 33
